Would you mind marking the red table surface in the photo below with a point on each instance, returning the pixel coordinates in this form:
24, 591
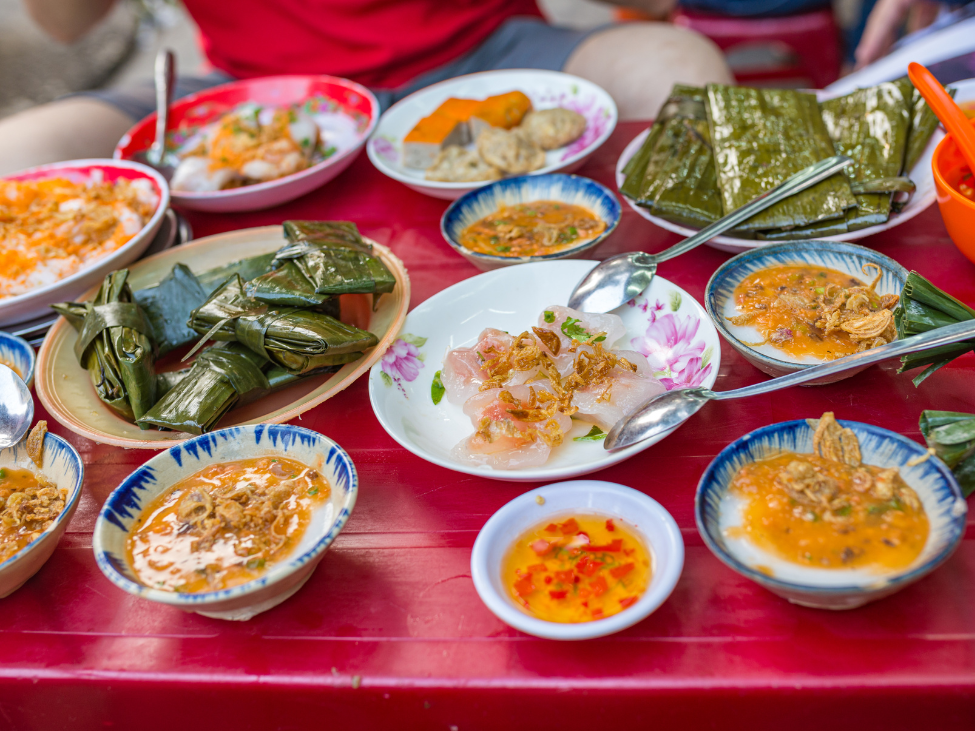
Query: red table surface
389, 629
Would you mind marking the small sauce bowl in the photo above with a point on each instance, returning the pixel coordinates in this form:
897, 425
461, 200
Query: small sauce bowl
19, 356
647, 519
957, 211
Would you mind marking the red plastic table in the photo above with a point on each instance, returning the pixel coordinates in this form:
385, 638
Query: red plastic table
389, 631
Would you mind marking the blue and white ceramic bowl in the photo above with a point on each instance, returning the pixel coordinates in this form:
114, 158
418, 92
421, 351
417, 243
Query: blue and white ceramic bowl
481, 202
284, 578
716, 510
18, 355
62, 465
719, 296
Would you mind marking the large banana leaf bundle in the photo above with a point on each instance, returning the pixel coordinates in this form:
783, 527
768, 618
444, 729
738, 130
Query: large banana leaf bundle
115, 346
952, 437
167, 306
297, 339
924, 307
329, 259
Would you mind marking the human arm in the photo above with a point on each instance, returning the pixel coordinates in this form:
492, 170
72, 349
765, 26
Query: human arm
884, 22
67, 20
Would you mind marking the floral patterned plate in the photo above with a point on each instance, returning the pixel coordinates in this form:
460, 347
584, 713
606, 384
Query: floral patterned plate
546, 89
665, 323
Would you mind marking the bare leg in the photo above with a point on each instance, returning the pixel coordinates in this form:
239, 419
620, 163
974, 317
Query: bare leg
70, 129
637, 63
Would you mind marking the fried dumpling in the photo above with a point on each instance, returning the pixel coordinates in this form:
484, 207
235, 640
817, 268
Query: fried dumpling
513, 152
553, 128
456, 164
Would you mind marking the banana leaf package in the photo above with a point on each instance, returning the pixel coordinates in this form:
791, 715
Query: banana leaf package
297, 339
672, 174
224, 376
329, 259
115, 346
167, 306
923, 124
952, 437
760, 137
924, 307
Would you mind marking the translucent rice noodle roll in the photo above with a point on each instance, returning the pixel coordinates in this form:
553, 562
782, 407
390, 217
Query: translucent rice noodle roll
581, 326
463, 369
627, 390
516, 427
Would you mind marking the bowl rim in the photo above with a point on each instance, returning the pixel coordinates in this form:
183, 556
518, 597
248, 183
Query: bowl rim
69, 505
882, 582
797, 247
672, 546
274, 575
215, 195
939, 178
467, 197
401, 177
18, 341
151, 225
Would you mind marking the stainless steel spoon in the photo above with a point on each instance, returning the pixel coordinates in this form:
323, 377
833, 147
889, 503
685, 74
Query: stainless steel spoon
157, 156
670, 409
620, 278
16, 408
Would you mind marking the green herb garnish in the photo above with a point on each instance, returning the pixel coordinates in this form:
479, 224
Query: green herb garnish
594, 435
255, 563
548, 316
572, 329
437, 388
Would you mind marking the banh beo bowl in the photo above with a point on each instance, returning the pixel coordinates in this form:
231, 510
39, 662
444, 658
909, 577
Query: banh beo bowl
62, 465
481, 202
18, 355
647, 518
282, 579
716, 510
719, 297
957, 211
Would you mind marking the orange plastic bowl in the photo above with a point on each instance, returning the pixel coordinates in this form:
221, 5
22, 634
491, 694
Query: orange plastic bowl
957, 211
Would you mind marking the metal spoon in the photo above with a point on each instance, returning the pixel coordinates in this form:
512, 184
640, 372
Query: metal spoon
16, 408
157, 156
620, 278
670, 409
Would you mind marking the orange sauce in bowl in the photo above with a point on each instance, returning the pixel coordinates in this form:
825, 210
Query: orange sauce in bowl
577, 569
532, 229
29, 504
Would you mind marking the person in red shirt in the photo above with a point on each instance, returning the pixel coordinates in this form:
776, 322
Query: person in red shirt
393, 46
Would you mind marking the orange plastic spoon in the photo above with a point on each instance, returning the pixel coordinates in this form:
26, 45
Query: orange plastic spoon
944, 107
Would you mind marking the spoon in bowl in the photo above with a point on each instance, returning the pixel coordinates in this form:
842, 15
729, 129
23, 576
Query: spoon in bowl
16, 408
156, 156
620, 278
946, 110
672, 408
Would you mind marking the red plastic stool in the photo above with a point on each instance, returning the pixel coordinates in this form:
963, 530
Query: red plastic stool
794, 50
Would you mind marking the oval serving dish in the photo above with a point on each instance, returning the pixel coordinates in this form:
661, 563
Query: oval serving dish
716, 509
17, 353
63, 466
848, 258
285, 577
648, 519
482, 202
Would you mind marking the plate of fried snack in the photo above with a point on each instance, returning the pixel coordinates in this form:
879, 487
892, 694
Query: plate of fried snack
460, 134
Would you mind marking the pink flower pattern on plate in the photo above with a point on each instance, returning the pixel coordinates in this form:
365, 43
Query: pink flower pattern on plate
402, 360
670, 347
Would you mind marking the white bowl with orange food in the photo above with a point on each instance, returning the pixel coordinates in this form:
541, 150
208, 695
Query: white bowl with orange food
228, 524
795, 508
429, 141
73, 222
789, 306
577, 560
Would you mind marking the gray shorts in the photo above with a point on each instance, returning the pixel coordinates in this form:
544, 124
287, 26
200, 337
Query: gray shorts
517, 44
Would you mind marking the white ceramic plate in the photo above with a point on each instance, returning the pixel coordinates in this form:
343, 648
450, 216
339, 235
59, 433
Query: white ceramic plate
921, 175
643, 514
664, 321
64, 387
546, 89
35, 303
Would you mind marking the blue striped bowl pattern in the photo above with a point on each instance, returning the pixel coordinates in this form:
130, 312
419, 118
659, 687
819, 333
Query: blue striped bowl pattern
140, 488
63, 466
848, 258
716, 509
17, 352
484, 201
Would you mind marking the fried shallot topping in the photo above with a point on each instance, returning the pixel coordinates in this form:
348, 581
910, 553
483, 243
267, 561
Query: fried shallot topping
35, 443
540, 406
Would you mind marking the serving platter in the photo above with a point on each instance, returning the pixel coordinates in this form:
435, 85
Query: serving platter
921, 174
345, 112
34, 304
545, 89
64, 388
665, 323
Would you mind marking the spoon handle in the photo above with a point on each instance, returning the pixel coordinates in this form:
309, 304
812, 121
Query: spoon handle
931, 339
800, 181
950, 114
165, 78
